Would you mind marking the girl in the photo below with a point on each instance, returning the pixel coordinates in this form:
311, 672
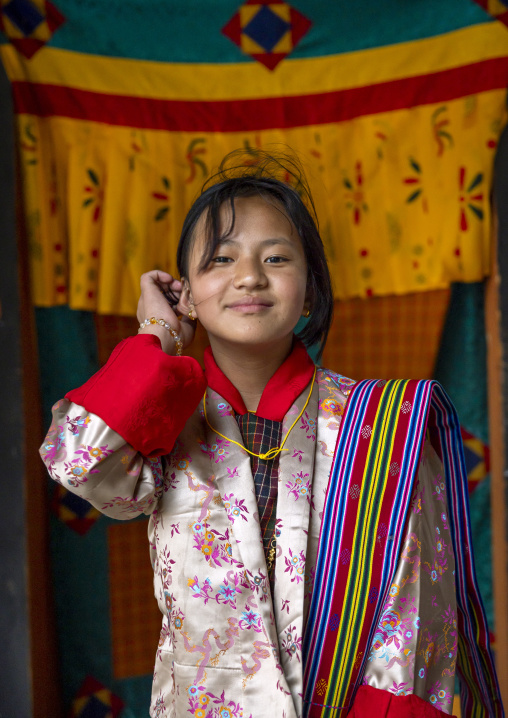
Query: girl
292, 562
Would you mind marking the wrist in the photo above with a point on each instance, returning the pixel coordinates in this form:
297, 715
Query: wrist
162, 324
168, 344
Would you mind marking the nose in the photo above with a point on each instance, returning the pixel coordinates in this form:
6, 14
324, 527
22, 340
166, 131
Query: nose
249, 273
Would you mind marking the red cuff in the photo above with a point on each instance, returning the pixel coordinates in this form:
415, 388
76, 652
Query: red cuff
371, 701
143, 394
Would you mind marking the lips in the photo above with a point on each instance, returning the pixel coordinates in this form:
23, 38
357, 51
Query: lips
253, 303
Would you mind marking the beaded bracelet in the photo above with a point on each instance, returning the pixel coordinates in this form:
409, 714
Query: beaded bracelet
163, 323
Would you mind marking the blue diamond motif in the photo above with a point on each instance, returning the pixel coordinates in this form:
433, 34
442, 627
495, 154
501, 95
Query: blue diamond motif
76, 504
266, 28
472, 459
95, 709
24, 15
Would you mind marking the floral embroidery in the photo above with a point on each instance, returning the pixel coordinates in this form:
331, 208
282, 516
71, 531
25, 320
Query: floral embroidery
228, 591
216, 451
215, 547
128, 506
159, 707
399, 689
54, 448
224, 409
207, 705
250, 619
157, 473
439, 488
235, 507
257, 583
297, 454
295, 564
179, 459
309, 425
439, 696
199, 591
292, 643
444, 519
87, 458
164, 566
78, 423
300, 486
440, 565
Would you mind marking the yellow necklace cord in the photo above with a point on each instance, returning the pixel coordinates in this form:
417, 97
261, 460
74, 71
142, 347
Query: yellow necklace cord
272, 453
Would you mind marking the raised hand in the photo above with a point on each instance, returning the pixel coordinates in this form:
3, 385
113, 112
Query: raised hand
153, 302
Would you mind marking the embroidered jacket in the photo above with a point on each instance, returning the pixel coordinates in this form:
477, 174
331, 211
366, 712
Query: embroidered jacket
134, 440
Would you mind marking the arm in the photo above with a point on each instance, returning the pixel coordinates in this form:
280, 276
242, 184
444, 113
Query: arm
103, 432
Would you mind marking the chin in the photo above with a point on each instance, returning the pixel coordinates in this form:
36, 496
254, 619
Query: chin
260, 341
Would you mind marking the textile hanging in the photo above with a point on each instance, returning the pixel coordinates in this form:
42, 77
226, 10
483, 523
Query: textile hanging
395, 110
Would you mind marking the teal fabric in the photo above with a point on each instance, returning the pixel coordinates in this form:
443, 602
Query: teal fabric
67, 358
461, 367
67, 352
183, 31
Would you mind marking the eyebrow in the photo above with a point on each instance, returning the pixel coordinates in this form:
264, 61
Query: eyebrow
265, 243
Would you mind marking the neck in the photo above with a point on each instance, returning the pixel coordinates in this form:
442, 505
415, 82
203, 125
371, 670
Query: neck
250, 368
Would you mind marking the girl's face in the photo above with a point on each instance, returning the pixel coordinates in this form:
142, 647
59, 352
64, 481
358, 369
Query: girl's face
253, 291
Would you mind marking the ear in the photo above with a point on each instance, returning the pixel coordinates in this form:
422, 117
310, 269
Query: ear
186, 303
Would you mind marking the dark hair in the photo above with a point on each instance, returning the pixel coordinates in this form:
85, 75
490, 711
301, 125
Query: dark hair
247, 173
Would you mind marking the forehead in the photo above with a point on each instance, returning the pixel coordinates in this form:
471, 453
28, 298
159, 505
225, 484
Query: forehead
256, 214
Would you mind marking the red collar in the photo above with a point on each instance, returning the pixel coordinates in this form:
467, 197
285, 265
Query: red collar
279, 394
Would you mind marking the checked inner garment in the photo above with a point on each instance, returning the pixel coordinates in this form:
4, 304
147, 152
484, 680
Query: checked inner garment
259, 436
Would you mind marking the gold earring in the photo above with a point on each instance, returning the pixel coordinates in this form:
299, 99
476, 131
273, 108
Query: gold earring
190, 315
306, 313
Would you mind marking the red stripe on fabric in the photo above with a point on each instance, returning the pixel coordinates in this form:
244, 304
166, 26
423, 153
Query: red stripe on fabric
46, 100
350, 528
349, 524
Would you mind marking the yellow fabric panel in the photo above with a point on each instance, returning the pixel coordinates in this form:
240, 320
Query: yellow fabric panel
117, 197
182, 81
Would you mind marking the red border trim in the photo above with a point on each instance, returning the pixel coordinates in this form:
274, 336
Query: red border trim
45, 100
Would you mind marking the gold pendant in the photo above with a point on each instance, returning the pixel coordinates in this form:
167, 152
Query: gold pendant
271, 557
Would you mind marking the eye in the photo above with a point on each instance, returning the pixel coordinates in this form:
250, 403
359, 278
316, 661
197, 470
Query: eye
221, 259
276, 259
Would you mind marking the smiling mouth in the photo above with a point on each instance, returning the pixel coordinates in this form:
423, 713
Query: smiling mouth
250, 304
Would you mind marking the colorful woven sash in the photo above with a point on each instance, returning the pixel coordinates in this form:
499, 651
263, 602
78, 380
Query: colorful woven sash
371, 483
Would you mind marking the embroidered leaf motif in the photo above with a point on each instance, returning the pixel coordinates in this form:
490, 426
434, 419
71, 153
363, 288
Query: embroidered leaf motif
414, 195
476, 181
478, 212
414, 164
161, 213
93, 177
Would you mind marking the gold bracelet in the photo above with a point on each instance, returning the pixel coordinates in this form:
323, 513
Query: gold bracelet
163, 323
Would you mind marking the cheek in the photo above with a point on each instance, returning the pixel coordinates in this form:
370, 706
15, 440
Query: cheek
297, 288
205, 291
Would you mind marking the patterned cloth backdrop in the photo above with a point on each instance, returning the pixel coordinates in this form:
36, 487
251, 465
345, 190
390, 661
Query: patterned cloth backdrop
395, 109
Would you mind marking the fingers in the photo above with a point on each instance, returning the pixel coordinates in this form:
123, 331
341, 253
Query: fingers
160, 278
